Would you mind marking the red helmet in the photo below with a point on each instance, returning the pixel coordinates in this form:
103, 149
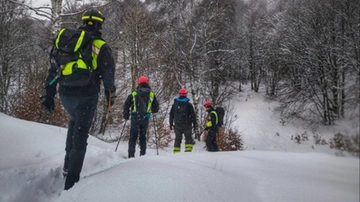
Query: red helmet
183, 92
143, 79
208, 104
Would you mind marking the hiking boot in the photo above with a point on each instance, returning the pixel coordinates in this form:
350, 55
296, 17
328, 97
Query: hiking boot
70, 181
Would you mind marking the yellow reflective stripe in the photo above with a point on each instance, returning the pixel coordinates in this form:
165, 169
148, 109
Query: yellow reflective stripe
133, 95
150, 101
188, 147
214, 112
58, 38
79, 42
68, 68
96, 47
208, 123
92, 18
177, 149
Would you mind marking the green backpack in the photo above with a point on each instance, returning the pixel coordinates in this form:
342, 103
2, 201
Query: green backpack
72, 56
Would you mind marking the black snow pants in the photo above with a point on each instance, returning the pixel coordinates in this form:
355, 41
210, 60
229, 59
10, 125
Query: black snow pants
211, 141
81, 110
137, 128
186, 130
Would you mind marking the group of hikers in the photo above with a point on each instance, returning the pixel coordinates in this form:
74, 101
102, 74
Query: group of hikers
79, 70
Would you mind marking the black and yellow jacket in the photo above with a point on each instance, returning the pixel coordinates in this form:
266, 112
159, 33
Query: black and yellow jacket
211, 119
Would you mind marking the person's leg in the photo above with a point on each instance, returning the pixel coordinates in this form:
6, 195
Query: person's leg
189, 141
134, 131
214, 142
67, 102
85, 107
209, 141
178, 138
69, 145
143, 128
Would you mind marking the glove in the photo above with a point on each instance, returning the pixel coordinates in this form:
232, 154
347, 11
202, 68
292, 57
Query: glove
171, 126
110, 97
47, 103
147, 116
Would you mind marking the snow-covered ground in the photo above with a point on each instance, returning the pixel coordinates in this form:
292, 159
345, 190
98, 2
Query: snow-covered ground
271, 168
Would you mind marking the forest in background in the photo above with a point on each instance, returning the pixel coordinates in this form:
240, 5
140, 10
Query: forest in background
306, 53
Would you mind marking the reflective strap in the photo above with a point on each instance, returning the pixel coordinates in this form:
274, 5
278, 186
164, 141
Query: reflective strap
150, 101
69, 67
78, 43
58, 38
80, 40
214, 112
92, 17
134, 102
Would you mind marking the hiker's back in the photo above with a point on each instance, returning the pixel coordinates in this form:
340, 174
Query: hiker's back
142, 103
72, 55
181, 112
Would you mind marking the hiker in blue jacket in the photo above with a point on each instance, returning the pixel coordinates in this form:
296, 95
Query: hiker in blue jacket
183, 120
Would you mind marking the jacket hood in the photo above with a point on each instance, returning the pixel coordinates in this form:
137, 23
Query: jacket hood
93, 31
182, 99
143, 85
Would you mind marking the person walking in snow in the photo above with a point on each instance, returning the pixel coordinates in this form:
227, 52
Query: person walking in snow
81, 101
142, 103
182, 114
211, 127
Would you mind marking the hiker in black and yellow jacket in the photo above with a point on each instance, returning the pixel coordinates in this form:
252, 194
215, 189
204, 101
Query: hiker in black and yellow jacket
80, 100
140, 104
211, 127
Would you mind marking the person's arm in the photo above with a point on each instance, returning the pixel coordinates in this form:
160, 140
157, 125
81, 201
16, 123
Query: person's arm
154, 105
126, 108
171, 116
192, 115
106, 68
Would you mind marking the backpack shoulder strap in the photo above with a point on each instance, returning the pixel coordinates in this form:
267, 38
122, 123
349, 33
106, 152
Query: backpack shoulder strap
216, 115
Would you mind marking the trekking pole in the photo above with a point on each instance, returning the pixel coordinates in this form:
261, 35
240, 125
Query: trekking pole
200, 135
109, 114
122, 132
156, 139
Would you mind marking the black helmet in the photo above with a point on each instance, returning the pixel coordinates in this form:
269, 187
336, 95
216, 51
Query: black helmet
92, 15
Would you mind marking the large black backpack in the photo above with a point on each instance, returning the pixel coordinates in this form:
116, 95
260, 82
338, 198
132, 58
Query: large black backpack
220, 111
72, 56
181, 114
141, 103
